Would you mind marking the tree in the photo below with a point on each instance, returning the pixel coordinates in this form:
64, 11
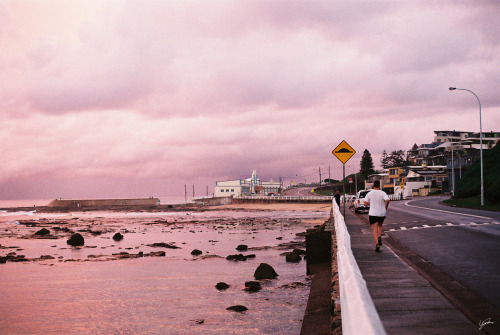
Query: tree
383, 160
366, 166
397, 158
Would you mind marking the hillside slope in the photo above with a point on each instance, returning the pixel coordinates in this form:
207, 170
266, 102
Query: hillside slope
470, 184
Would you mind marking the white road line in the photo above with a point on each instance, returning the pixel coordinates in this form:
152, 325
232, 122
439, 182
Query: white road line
425, 226
449, 224
443, 211
403, 228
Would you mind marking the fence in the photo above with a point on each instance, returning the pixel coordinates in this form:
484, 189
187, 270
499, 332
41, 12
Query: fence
359, 315
285, 198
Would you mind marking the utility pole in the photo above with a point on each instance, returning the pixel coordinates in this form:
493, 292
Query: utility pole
185, 194
193, 191
319, 169
329, 177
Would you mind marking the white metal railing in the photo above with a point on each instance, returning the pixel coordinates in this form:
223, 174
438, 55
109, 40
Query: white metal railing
359, 315
285, 198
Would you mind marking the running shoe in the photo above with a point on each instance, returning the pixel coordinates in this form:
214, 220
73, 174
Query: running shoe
380, 240
377, 247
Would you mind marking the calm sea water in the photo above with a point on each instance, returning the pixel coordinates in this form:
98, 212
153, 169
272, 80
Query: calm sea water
174, 294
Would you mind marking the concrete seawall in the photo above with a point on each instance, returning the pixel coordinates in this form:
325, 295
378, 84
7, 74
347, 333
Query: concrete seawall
81, 203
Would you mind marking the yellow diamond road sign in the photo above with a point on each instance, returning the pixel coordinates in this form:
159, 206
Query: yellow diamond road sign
343, 152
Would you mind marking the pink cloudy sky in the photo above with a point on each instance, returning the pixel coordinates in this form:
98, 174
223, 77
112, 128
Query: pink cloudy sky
139, 98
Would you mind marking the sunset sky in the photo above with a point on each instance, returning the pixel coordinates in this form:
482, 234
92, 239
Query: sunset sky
138, 98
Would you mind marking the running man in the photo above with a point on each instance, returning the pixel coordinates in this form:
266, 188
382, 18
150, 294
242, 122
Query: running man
378, 201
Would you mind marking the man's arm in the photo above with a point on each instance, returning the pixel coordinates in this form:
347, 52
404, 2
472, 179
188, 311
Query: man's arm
386, 203
366, 202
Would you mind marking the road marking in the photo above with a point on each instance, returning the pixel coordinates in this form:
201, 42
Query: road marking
448, 224
443, 211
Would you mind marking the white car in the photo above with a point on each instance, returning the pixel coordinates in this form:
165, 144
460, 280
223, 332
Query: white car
359, 203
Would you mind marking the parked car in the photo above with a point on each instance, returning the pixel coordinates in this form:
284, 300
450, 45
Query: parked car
359, 205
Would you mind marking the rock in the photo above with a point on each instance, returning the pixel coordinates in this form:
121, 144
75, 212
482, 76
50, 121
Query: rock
157, 253
242, 247
239, 257
196, 252
299, 251
293, 258
252, 286
265, 271
43, 231
295, 284
222, 286
3, 260
76, 240
117, 237
163, 245
46, 257
237, 308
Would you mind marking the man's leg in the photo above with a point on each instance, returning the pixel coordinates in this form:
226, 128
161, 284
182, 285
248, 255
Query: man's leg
379, 229
373, 223
375, 232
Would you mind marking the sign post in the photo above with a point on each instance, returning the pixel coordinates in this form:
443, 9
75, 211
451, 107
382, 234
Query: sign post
343, 152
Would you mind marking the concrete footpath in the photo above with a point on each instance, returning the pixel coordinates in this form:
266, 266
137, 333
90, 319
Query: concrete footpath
405, 301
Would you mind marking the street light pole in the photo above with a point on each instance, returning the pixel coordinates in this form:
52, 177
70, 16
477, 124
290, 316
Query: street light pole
480, 139
452, 170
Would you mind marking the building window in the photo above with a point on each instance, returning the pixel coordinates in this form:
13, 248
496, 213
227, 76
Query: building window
232, 190
222, 190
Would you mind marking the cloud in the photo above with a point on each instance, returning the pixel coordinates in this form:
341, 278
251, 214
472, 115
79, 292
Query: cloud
116, 98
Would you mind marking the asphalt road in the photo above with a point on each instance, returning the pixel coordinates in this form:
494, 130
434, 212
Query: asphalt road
463, 243
300, 191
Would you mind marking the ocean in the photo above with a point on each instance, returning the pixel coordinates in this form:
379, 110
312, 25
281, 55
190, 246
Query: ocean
94, 290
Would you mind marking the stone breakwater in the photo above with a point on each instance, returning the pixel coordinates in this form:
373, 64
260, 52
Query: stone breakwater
81, 203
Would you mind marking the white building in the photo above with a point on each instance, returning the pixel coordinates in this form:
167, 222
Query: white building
248, 186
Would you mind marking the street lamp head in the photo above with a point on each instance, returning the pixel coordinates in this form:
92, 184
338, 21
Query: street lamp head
452, 88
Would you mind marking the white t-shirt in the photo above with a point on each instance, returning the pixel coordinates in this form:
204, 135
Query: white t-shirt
377, 199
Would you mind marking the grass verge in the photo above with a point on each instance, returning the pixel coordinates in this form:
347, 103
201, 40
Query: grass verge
473, 202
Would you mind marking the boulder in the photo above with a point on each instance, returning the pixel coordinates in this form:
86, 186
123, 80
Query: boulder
43, 231
242, 247
76, 240
222, 286
252, 286
117, 237
293, 257
3, 260
237, 308
196, 252
265, 271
